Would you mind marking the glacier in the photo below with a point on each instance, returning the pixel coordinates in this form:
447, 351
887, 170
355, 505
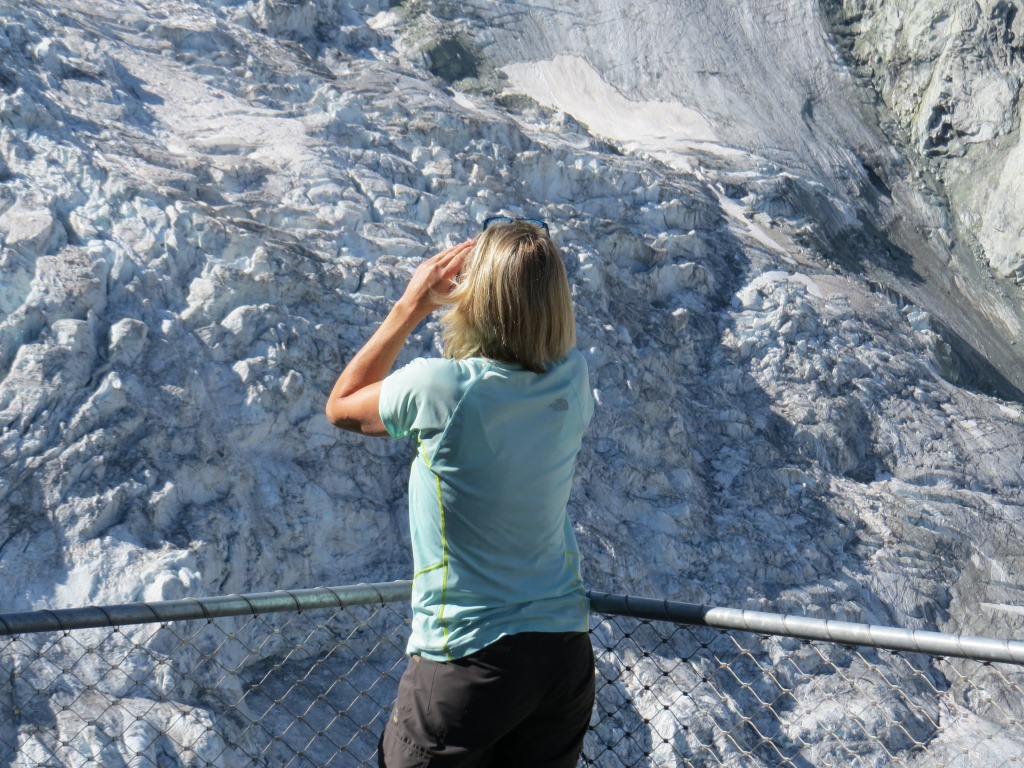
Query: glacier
792, 228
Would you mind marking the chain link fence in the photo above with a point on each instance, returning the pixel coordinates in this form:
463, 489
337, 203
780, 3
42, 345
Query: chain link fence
307, 679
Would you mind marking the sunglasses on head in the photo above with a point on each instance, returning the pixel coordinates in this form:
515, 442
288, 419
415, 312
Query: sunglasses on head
510, 220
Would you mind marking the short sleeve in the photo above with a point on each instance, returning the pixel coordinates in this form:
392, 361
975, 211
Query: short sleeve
419, 398
584, 392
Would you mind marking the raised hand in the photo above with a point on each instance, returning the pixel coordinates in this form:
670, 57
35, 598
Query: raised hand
434, 277
355, 399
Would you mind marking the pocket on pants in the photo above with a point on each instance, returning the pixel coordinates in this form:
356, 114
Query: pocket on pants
411, 732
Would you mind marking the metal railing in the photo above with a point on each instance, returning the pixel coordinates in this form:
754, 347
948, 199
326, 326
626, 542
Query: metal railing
306, 678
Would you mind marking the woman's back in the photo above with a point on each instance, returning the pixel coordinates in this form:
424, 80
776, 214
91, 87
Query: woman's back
493, 549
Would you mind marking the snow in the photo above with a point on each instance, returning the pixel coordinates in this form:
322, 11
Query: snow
572, 85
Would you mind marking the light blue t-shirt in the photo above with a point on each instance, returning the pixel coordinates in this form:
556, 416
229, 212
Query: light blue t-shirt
494, 553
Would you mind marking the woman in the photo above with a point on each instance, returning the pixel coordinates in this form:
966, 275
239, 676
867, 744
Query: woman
501, 670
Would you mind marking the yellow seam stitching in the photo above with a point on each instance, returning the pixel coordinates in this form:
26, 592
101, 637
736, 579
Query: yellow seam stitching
428, 569
444, 558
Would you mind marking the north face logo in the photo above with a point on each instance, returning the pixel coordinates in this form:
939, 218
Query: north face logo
559, 405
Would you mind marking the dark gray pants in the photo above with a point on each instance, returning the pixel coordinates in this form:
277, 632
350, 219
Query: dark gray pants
526, 700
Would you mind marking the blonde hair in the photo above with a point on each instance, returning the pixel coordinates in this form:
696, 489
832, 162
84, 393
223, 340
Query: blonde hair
512, 302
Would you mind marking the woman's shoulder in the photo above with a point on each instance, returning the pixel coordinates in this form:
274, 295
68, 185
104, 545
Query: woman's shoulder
448, 367
438, 374
572, 364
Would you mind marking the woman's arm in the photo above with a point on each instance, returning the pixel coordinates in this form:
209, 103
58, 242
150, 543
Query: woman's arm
355, 399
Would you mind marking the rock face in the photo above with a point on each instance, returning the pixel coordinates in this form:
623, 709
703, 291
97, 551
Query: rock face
206, 208
950, 74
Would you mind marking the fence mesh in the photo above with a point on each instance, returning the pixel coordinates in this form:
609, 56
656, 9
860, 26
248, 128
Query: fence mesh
313, 688
283, 689
672, 695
